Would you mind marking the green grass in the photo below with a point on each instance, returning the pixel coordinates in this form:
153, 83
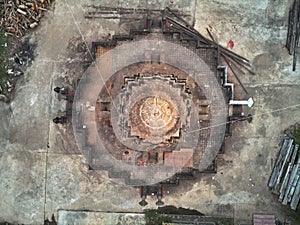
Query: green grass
2, 42
295, 216
224, 223
154, 218
296, 135
3, 74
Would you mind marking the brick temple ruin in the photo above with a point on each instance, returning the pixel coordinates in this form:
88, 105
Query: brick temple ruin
157, 103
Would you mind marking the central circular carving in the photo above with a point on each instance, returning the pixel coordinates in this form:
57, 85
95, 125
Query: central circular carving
156, 112
154, 119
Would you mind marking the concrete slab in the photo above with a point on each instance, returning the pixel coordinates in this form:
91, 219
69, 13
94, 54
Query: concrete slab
30, 109
22, 187
70, 185
82, 217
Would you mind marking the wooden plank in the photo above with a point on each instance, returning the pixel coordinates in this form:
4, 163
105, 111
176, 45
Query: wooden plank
283, 166
289, 178
296, 196
273, 177
292, 40
293, 182
284, 190
294, 155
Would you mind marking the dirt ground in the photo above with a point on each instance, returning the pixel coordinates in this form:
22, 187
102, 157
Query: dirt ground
38, 180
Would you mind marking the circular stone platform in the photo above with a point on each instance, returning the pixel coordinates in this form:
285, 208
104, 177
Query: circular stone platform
150, 126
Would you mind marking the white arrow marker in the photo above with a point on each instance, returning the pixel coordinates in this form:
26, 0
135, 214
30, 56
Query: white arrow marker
248, 102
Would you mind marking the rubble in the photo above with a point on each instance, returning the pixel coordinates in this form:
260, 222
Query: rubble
21, 58
25, 54
22, 15
15, 62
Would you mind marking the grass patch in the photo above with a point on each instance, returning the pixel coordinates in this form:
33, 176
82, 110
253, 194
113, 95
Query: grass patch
225, 222
295, 216
296, 135
154, 218
3, 74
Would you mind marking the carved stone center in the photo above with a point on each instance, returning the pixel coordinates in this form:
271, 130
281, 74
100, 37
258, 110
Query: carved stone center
156, 112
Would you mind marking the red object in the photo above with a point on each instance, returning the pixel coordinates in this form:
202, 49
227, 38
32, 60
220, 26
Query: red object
230, 44
150, 153
167, 24
143, 163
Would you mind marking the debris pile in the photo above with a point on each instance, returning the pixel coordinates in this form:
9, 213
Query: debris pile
21, 58
18, 16
285, 178
15, 63
24, 55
